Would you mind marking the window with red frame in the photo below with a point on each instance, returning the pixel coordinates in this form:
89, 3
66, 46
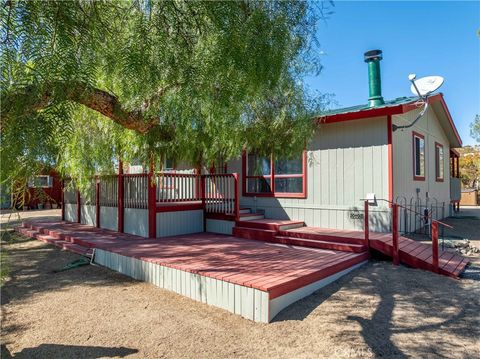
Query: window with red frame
269, 176
439, 162
418, 156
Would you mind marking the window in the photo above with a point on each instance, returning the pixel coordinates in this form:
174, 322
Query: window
41, 181
439, 162
418, 157
271, 177
168, 164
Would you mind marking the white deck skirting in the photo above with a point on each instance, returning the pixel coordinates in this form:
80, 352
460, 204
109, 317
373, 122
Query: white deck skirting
248, 302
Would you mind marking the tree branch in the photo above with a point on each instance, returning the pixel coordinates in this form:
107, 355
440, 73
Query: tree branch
89, 96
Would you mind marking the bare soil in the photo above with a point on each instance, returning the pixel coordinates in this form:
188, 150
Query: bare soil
92, 312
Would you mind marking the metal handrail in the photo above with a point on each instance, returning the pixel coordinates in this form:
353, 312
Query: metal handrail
411, 210
395, 249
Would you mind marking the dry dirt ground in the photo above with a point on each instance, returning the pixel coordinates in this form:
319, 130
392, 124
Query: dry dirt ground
91, 312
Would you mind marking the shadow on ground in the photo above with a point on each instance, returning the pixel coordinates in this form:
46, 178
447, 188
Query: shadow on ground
393, 301
68, 351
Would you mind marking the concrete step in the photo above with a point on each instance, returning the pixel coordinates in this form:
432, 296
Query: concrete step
336, 246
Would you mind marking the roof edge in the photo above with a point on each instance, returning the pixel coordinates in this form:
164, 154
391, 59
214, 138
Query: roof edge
388, 111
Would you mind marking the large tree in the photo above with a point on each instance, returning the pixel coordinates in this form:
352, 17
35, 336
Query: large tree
85, 82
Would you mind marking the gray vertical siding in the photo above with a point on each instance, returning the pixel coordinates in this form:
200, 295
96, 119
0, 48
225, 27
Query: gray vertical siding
248, 302
136, 221
71, 212
404, 186
88, 215
345, 161
108, 218
219, 226
179, 222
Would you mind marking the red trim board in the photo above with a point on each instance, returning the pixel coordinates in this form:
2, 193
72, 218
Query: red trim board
418, 135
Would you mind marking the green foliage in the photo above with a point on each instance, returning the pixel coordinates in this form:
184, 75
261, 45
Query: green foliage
475, 128
221, 75
470, 166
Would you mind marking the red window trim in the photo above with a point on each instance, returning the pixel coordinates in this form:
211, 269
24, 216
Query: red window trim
272, 177
437, 162
415, 177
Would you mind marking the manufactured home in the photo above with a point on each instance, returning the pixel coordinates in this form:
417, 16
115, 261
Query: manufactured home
369, 173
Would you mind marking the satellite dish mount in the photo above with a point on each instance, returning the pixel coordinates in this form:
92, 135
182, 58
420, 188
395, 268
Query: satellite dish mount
422, 87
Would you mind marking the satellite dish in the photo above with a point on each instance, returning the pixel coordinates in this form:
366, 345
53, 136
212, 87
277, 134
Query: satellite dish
422, 88
426, 85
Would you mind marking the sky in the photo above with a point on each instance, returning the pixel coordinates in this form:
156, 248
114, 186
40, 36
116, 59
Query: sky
421, 37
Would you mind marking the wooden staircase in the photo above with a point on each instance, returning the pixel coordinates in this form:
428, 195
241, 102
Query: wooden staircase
293, 233
410, 252
419, 255
59, 240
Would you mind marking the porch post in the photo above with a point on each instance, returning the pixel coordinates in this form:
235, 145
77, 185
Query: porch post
396, 259
120, 196
152, 202
79, 207
458, 166
203, 194
237, 203
366, 225
97, 202
63, 200
435, 246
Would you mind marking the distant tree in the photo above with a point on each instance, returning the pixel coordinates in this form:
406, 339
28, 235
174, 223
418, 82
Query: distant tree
470, 166
86, 82
475, 128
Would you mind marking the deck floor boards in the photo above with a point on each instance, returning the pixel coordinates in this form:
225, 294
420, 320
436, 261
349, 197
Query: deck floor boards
419, 255
413, 253
274, 268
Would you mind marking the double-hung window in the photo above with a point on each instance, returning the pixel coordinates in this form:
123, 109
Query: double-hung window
274, 177
418, 157
439, 162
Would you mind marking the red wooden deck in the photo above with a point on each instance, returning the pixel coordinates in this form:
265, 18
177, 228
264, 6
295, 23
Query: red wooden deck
411, 252
274, 268
419, 255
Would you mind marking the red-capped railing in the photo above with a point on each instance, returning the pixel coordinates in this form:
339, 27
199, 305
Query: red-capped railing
178, 187
220, 193
395, 249
135, 189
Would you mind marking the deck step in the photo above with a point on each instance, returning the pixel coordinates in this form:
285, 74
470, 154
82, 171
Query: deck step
312, 233
245, 210
336, 246
54, 239
250, 216
254, 233
270, 224
419, 255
